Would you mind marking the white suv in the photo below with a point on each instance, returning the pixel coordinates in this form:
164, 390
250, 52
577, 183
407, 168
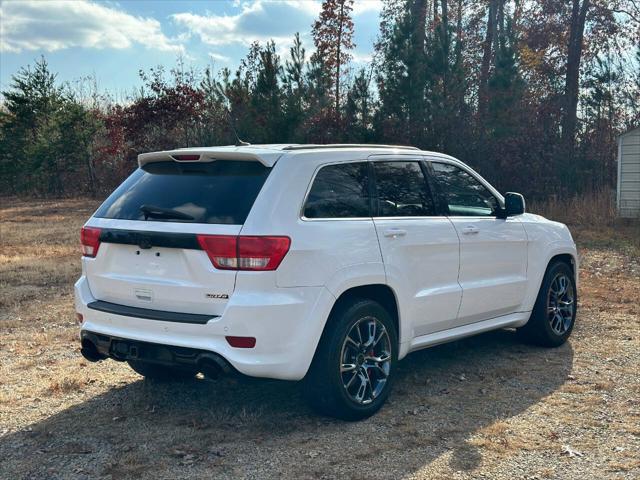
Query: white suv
327, 263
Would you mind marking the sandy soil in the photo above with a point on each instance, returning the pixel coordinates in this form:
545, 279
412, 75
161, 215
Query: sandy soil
485, 407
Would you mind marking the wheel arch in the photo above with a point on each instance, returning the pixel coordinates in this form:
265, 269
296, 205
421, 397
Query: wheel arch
564, 255
536, 328
567, 258
378, 292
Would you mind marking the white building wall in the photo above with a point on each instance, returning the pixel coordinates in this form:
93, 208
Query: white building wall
629, 174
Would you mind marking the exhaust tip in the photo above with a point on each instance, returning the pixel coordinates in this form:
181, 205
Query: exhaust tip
90, 352
212, 366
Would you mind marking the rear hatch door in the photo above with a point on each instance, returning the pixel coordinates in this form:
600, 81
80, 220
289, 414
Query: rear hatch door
149, 255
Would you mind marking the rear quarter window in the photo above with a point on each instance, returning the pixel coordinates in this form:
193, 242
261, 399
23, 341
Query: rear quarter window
222, 191
339, 191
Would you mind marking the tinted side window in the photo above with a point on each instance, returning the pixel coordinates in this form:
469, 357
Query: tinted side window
339, 191
464, 195
222, 191
402, 190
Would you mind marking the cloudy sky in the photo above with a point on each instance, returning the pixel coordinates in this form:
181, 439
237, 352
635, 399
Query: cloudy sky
114, 39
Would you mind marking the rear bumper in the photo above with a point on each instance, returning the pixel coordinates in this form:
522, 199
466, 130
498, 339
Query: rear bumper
150, 314
96, 347
287, 324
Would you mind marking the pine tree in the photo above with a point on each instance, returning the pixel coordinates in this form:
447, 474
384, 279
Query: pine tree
390, 15
402, 75
33, 104
359, 109
319, 124
266, 96
333, 38
505, 124
505, 88
295, 89
236, 92
440, 63
214, 128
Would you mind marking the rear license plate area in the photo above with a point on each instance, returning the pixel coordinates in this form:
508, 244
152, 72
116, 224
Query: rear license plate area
124, 350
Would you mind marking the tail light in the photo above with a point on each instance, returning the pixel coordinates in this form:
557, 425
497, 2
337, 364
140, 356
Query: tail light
261, 253
241, 342
186, 158
90, 241
245, 252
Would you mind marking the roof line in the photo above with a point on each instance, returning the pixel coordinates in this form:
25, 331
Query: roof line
348, 145
629, 131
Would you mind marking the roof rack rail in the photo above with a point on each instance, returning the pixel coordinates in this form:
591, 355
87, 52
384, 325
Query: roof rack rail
346, 145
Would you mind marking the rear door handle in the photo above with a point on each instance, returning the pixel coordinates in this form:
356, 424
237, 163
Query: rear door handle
470, 230
394, 232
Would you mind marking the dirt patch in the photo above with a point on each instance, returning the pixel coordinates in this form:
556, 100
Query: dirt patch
484, 407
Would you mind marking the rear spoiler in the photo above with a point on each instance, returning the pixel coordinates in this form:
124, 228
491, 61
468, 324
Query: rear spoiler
267, 157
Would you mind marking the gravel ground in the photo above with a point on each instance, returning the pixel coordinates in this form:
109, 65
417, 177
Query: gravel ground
484, 407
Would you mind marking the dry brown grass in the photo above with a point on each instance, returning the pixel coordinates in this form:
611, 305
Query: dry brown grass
66, 385
594, 209
484, 407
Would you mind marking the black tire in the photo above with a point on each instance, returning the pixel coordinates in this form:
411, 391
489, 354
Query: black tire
324, 386
539, 330
161, 373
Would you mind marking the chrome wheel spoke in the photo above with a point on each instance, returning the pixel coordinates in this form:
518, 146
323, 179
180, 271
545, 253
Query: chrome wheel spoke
383, 332
359, 333
362, 388
348, 367
371, 330
560, 304
385, 357
380, 369
563, 285
366, 364
349, 341
350, 382
565, 305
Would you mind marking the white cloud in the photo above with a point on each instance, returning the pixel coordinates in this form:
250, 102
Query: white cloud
58, 24
219, 57
259, 20
362, 57
362, 6
263, 20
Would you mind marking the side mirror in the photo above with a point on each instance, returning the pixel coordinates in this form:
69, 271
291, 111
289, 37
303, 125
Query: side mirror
513, 204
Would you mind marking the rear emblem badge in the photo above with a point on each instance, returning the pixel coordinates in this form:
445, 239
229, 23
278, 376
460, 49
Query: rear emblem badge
144, 295
222, 296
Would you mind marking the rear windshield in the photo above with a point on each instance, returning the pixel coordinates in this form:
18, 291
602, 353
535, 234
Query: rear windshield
222, 191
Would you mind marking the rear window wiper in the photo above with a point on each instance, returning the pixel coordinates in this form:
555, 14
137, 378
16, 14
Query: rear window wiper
166, 213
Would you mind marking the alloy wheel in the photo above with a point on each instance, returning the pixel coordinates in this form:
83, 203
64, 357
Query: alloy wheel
560, 304
365, 360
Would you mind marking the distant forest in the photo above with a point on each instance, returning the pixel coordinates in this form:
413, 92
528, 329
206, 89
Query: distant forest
533, 94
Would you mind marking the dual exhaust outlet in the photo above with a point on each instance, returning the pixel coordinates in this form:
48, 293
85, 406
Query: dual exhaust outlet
210, 364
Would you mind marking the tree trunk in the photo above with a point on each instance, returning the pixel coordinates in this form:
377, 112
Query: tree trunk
416, 71
459, 30
445, 45
339, 47
499, 24
487, 56
572, 81
91, 169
